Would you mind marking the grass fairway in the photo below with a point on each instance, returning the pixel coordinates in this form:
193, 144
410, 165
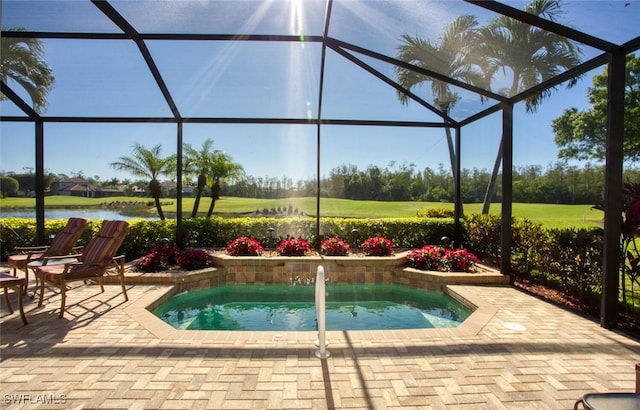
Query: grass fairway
550, 215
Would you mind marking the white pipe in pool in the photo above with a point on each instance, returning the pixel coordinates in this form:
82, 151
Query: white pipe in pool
323, 353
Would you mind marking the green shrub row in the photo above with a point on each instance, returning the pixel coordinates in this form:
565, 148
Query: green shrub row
568, 260
217, 232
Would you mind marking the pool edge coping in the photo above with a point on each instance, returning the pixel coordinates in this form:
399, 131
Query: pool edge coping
139, 311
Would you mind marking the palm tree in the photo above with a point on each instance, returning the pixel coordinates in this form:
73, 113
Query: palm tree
223, 169
451, 57
200, 164
22, 60
211, 167
531, 54
148, 163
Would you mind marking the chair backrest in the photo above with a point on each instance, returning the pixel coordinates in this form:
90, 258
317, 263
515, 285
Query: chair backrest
66, 239
104, 245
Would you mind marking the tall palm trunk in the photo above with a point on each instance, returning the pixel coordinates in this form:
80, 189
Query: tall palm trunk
156, 190
491, 187
215, 195
452, 158
452, 151
202, 181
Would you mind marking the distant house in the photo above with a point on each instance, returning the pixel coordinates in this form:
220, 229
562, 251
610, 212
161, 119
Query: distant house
170, 188
83, 188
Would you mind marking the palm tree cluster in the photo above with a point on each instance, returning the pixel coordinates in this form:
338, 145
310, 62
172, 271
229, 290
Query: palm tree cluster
475, 55
210, 167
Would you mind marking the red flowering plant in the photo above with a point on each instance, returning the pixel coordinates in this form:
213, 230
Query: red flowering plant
459, 260
293, 247
192, 259
377, 246
630, 231
334, 247
159, 259
244, 246
429, 257
164, 257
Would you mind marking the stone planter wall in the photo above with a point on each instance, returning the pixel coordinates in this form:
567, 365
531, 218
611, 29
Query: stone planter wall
386, 269
302, 270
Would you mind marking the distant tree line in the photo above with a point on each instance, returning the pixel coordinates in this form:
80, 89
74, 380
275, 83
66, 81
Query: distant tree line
556, 183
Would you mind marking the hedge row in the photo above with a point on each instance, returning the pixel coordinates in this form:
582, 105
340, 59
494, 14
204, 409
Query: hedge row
569, 260
217, 232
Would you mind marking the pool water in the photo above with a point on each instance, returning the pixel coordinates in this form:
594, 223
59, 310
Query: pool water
292, 308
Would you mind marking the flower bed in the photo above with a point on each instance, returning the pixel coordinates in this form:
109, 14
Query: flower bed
438, 258
167, 257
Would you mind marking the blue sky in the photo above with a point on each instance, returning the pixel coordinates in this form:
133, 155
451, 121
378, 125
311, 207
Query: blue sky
233, 79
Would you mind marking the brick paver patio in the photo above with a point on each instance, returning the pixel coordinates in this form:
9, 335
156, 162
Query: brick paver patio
519, 352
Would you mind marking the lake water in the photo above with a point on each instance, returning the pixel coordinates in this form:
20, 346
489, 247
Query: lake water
95, 214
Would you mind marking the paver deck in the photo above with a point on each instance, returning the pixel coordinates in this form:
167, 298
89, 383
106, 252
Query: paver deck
522, 353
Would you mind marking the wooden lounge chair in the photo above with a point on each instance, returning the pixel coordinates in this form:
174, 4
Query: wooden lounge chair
96, 260
63, 244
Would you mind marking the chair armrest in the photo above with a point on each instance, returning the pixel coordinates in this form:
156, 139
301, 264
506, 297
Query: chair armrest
46, 259
31, 249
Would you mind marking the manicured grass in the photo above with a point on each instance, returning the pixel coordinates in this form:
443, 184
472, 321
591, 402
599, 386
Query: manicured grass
550, 215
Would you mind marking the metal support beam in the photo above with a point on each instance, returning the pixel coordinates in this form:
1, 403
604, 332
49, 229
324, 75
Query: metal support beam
39, 185
457, 213
320, 94
179, 225
613, 191
507, 191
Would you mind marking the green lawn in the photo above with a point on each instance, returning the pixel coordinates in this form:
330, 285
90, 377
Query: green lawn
550, 215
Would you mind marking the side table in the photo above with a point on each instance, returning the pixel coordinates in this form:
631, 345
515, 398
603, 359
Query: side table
8, 281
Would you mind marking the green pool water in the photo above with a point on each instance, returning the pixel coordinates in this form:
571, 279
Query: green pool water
292, 308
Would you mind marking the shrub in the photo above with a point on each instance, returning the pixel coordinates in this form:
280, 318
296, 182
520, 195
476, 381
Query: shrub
334, 247
159, 259
428, 257
244, 246
293, 247
459, 260
377, 246
192, 259
432, 257
436, 213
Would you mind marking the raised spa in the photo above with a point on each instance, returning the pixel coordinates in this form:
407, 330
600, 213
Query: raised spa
292, 308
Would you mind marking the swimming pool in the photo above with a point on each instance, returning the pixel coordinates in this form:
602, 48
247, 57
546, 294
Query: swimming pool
291, 308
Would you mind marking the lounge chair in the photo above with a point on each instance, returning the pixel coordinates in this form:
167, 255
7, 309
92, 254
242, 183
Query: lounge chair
63, 244
96, 260
611, 400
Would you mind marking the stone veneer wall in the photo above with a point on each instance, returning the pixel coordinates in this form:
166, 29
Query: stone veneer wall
386, 269
302, 270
